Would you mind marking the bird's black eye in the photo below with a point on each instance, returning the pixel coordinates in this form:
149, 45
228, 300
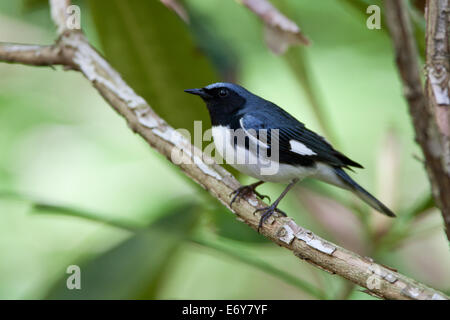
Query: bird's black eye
223, 93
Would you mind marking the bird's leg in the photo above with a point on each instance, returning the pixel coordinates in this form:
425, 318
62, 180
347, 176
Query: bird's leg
246, 190
268, 211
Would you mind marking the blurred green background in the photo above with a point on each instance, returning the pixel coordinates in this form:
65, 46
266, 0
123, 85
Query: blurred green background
77, 187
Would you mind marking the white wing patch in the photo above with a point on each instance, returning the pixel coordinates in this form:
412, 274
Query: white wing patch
300, 148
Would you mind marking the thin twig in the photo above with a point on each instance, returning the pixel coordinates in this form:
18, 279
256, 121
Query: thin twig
32, 55
59, 14
280, 31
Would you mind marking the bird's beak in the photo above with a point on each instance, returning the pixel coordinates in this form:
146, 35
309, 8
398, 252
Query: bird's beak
199, 92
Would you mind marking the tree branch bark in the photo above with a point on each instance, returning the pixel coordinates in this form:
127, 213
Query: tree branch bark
429, 110
72, 50
280, 32
437, 90
32, 55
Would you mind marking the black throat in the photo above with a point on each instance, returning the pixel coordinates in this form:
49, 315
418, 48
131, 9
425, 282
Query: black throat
224, 116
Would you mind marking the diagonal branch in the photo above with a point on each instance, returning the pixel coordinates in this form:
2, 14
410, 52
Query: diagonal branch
75, 52
429, 110
280, 32
59, 14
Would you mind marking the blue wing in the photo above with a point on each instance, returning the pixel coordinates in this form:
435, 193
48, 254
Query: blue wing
297, 145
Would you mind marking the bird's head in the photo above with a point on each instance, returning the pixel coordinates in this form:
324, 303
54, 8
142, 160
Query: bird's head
222, 97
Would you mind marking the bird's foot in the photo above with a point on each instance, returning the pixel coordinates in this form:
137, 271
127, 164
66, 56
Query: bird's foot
267, 212
245, 191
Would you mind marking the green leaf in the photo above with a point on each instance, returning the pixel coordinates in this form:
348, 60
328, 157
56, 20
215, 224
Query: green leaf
34, 4
216, 47
41, 207
152, 49
424, 204
227, 226
402, 227
258, 263
297, 59
134, 268
74, 212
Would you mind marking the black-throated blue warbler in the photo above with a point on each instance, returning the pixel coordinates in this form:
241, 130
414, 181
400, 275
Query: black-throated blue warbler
260, 139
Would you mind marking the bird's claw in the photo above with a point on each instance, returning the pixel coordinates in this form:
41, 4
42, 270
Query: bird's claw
244, 191
267, 213
240, 193
261, 196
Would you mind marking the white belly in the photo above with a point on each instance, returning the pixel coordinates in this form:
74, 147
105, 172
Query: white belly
258, 166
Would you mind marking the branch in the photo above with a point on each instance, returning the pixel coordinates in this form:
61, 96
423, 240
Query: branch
430, 111
75, 52
59, 14
280, 32
438, 97
32, 55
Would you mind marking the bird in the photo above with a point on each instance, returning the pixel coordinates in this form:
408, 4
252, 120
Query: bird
260, 139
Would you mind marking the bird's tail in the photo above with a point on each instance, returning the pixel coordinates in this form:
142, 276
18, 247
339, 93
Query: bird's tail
361, 193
